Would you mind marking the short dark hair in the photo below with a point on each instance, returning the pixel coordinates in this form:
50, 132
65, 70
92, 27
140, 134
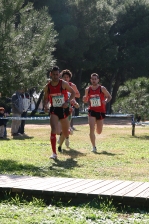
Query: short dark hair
66, 72
55, 68
95, 74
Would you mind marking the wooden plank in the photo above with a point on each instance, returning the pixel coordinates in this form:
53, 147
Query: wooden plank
101, 190
62, 186
144, 194
117, 188
43, 185
72, 188
13, 179
20, 184
55, 183
85, 186
33, 182
95, 187
127, 189
30, 182
138, 190
7, 179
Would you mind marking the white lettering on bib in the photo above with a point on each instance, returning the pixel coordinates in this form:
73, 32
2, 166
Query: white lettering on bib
58, 101
95, 101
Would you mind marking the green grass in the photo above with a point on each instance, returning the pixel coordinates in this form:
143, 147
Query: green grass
120, 156
18, 210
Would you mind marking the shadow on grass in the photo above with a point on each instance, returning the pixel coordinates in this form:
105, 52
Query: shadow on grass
73, 153
58, 168
143, 137
106, 153
69, 163
14, 166
5, 139
22, 137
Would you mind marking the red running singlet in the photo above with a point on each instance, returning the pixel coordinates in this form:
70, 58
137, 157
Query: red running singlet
96, 98
57, 95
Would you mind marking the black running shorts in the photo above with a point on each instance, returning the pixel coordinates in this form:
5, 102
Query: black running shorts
97, 115
60, 112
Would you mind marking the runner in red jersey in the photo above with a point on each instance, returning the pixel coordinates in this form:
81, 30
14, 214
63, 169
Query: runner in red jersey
97, 96
66, 76
55, 93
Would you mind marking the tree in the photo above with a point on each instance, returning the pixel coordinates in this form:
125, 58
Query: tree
27, 46
83, 27
108, 37
133, 97
8, 11
130, 35
83, 43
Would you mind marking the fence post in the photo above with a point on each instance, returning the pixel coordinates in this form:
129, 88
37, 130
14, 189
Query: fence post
133, 125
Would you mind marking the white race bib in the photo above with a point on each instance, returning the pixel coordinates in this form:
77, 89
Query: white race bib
95, 101
58, 101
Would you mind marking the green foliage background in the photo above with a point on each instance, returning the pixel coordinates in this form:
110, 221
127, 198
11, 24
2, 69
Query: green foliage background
107, 37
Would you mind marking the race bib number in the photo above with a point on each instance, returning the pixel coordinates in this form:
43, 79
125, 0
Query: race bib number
58, 101
95, 101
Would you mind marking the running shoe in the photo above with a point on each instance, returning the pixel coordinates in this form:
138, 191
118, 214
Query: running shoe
53, 156
59, 148
67, 142
94, 149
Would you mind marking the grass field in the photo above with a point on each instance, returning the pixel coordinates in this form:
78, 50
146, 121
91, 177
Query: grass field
120, 156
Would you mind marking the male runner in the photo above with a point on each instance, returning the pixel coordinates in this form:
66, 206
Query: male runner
97, 96
55, 93
67, 75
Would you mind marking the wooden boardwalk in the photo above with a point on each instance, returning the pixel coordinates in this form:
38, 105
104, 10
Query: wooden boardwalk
78, 190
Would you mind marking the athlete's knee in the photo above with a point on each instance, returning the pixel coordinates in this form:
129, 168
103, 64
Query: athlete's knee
53, 130
99, 131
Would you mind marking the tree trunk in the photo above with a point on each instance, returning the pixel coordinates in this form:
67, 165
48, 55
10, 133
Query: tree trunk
115, 89
108, 106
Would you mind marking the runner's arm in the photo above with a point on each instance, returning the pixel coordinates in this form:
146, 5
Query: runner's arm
66, 86
45, 98
108, 96
69, 89
85, 97
77, 94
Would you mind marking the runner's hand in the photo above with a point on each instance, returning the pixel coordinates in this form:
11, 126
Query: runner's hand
65, 105
85, 99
